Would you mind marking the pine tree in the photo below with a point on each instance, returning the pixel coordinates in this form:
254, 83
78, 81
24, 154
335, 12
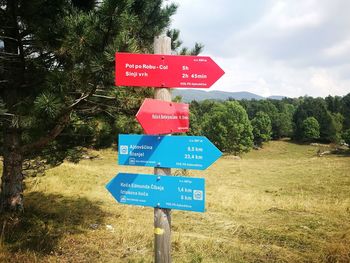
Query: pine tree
176, 44
56, 85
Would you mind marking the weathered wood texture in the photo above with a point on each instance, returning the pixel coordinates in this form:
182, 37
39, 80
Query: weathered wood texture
162, 217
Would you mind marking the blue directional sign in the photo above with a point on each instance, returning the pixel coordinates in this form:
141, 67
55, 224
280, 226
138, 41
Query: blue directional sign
183, 152
172, 192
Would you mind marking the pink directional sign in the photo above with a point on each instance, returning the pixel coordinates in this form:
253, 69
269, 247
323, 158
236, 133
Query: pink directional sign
162, 117
165, 71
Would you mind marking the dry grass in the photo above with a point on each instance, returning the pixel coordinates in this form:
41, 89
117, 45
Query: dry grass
278, 204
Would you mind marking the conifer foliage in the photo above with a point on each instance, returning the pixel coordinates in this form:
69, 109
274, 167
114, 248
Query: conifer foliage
56, 76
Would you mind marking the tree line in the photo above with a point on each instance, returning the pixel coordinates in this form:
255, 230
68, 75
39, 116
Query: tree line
238, 126
234, 126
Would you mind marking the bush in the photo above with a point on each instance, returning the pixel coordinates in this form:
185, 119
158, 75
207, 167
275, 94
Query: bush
346, 136
228, 127
310, 129
262, 129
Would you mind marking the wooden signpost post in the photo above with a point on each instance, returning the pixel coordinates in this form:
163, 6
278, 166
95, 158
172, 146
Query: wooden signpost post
160, 116
162, 217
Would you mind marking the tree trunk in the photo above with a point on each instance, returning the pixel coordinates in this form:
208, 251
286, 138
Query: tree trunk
11, 196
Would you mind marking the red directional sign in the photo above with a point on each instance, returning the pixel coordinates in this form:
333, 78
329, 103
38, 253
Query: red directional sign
163, 117
165, 71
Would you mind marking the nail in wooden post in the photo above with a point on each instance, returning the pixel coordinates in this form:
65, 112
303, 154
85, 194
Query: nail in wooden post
162, 217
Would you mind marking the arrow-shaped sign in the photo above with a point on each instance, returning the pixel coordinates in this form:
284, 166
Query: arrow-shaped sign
165, 71
183, 152
172, 192
162, 117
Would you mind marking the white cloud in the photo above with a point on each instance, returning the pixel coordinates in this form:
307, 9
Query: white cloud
273, 47
339, 49
326, 83
295, 15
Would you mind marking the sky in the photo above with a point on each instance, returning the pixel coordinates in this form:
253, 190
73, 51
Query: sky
272, 47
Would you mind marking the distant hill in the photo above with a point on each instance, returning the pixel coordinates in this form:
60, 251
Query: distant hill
188, 95
276, 97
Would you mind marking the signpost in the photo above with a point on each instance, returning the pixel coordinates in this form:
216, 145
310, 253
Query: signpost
162, 117
181, 193
162, 216
183, 152
170, 71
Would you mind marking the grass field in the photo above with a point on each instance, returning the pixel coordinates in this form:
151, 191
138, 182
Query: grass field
278, 204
